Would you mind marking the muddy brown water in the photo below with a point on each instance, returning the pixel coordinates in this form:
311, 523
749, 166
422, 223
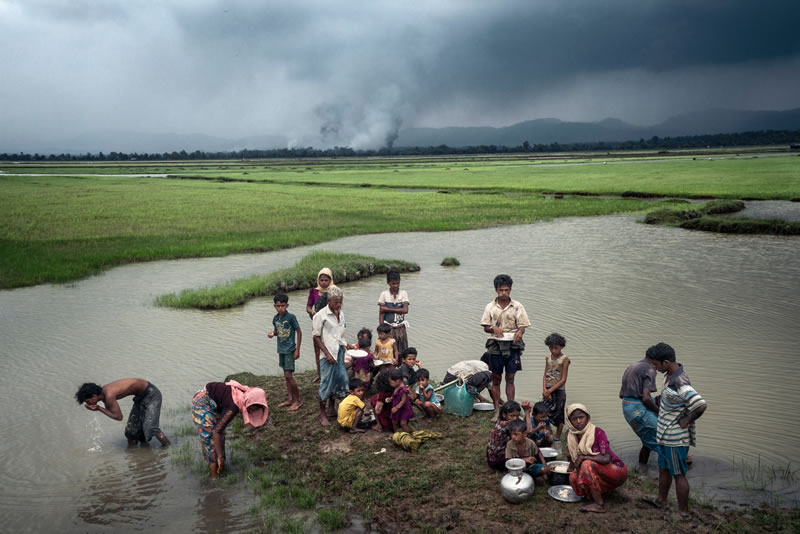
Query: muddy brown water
728, 304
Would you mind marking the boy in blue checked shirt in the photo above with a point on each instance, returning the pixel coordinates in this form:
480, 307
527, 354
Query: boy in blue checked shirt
680, 406
285, 326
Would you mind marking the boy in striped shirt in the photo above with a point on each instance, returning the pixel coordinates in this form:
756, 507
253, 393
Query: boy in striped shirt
680, 406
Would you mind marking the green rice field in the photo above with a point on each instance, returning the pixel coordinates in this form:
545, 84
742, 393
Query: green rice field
66, 227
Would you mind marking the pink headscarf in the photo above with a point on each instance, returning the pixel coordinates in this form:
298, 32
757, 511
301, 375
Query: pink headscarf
243, 397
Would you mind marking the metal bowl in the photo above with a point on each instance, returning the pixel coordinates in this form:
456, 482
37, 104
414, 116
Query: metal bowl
549, 454
558, 479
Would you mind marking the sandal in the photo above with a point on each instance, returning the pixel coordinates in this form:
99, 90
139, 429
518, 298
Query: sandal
655, 502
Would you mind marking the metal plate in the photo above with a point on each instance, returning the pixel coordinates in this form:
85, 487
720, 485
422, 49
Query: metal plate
356, 353
549, 452
563, 494
507, 336
483, 406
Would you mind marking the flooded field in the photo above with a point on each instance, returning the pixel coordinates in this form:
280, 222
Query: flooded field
728, 304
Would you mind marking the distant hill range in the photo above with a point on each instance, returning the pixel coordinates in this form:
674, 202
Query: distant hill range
539, 131
546, 131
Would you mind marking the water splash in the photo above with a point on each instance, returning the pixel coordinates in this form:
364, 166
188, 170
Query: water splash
96, 435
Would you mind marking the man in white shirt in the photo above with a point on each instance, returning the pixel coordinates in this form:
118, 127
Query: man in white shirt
327, 329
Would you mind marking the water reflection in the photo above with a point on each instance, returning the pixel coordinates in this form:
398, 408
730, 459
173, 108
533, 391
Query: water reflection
216, 512
123, 492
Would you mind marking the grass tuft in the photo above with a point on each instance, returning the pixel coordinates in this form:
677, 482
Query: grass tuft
450, 261
332, 518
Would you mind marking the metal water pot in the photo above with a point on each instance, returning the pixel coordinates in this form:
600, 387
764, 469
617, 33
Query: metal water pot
517, 485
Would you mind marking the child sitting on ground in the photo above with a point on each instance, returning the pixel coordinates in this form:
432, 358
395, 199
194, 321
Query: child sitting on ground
408, 360
541, 433
352, 410
382, 401
385, 346
500, 435
553, 382
402, 411
426, 397
520, 446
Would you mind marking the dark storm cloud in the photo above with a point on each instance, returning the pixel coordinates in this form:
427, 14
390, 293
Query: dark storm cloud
515, 50
323, 72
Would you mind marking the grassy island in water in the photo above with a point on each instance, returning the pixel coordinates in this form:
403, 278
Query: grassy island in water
345, 267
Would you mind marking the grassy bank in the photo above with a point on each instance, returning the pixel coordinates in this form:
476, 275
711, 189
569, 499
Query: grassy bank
58, 229
709, 218
306, 476
303, 275
62, 228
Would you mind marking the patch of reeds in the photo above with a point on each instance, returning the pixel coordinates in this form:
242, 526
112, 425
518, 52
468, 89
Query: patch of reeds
677, 216
707, 218
345, 267
742, 226
450, 261
759, 477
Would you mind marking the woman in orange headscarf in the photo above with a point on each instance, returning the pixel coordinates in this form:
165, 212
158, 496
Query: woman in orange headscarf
215, 406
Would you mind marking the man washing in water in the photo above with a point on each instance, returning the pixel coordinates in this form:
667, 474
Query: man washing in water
143, 419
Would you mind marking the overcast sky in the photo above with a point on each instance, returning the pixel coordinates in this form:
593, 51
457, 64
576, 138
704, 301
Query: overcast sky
347, 72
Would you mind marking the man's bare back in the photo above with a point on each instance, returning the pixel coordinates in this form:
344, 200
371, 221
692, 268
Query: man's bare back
145, 411
124, 387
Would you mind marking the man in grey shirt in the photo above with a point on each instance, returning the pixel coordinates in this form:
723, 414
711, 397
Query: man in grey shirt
638, 406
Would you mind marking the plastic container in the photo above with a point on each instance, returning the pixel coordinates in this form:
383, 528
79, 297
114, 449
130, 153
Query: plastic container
457, 400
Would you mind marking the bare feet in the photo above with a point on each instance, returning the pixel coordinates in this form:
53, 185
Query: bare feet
285, 403
296, 406
316, 379
357, 430
323, 420
377, 427
132, 442
594, 507
162, 438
